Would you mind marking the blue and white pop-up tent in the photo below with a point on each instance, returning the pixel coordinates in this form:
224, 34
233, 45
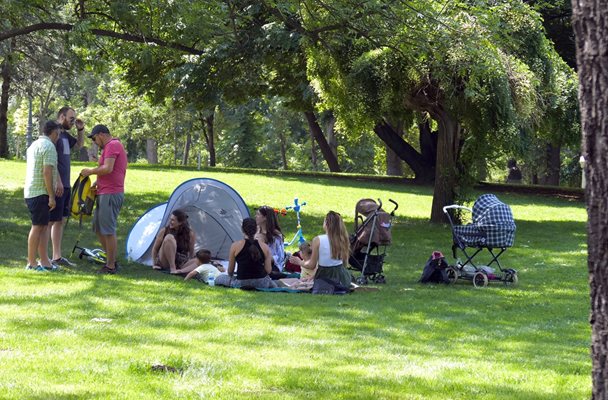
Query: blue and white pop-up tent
215, 213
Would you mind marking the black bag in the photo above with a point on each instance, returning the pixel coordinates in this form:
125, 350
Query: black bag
327, 286
435, 269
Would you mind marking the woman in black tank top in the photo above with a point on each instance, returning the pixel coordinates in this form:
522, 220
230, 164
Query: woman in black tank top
253, 258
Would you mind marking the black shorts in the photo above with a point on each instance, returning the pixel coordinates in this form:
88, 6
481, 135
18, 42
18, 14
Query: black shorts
39, 209
62, 210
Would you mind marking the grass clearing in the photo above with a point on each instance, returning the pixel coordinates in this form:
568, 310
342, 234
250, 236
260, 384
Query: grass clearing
143, 334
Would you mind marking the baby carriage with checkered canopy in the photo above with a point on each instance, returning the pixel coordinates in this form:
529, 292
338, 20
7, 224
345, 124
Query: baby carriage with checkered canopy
492, 229
371, 238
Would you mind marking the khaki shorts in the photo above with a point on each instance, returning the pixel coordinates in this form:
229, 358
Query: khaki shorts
106, 213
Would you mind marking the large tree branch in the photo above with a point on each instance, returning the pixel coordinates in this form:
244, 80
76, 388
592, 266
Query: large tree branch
422, 170
45, 26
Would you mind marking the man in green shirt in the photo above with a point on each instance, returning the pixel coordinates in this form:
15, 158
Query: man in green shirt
39, 193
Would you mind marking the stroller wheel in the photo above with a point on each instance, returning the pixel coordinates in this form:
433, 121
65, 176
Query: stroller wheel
480, 279
380, 279
510, 278
452, 274
362, 280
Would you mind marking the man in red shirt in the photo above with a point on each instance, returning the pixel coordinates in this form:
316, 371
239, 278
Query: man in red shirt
110, 188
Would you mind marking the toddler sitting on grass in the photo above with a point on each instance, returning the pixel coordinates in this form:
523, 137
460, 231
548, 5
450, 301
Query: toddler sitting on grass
206, 266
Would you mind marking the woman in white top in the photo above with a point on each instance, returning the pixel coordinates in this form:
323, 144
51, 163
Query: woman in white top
330, 252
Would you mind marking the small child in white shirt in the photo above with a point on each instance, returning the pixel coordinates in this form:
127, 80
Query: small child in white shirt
202, 271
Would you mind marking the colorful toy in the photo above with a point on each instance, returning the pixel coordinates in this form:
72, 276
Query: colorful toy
296, 207
282, 211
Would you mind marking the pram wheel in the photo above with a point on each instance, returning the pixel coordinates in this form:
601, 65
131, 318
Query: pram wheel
510, 278
380, 279
452, 274
362, 280
480, 279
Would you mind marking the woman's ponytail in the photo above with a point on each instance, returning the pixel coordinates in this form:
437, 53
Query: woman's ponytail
250, 228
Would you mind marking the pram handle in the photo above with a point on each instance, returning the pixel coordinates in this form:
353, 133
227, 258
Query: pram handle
455, 206
396, 206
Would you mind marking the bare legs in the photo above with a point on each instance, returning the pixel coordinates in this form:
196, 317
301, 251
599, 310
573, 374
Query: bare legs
57, 236
109, 245
166, 254
36, 242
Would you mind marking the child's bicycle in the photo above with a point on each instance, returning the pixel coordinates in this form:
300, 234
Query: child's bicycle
95, 255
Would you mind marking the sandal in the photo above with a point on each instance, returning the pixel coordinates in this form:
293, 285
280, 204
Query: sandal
106, 270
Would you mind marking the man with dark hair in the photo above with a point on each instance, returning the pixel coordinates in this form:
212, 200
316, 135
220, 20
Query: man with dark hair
66, 118
110, 187
39, 194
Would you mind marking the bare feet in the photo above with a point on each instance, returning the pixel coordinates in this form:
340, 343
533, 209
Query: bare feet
157, 267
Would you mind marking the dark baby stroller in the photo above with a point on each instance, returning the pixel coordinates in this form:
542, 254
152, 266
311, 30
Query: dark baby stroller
370, 239
493, 229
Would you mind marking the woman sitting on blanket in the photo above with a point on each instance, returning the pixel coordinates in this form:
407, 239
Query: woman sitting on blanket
174, 244
253, 258
269, 232
330, 252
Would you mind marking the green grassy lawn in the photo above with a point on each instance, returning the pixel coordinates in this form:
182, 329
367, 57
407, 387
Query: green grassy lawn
77, 335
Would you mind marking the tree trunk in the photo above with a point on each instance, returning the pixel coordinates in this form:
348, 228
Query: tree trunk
313, 153
152, 151
330, 123
175, 145
83, 154
187, 149
428, 144
210, 138
553, 162
315, 129
445, 171
283, 145
422, 171
394, 164
29, 135
590, 21
4, 97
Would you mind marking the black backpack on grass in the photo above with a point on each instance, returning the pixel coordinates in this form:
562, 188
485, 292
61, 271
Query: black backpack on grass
435, 269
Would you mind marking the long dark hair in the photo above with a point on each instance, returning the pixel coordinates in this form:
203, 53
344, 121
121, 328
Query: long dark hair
249, 229
272, 224
182, 232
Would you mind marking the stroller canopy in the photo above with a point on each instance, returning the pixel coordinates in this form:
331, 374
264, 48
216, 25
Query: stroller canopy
493, 224
374, 229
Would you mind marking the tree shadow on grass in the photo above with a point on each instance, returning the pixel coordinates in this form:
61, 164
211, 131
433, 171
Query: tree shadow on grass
419, 323
407, 384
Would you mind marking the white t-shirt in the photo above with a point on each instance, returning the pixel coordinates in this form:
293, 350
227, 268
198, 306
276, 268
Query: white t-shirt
204, 270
